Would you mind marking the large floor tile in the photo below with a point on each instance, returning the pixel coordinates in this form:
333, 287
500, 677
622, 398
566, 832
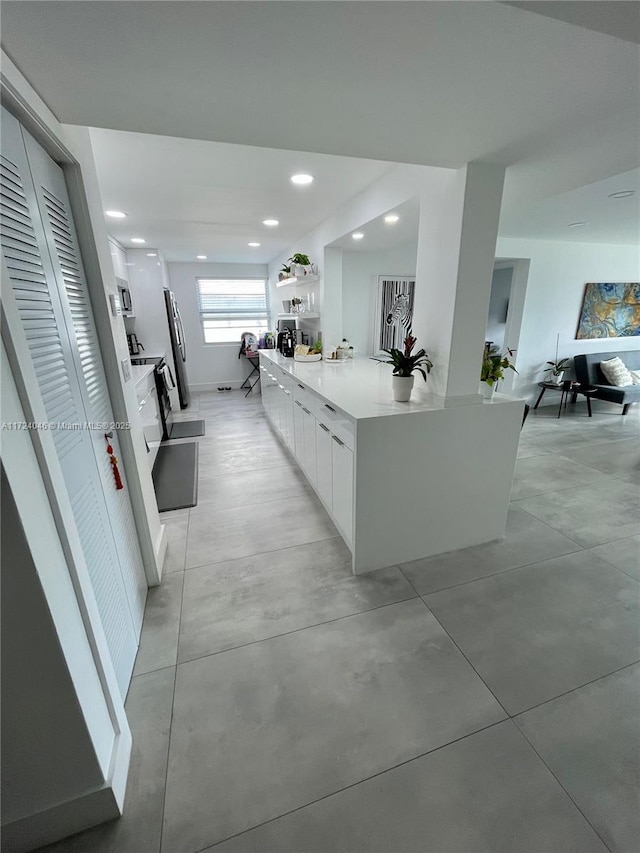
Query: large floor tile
238, 457
617, 458
148, 709
590, 515
242, 601
159, 638
540, 631
487, 793
219, 535
591, 741
176, 532
527, 540
267, 728
541, 474
624, 554
217, 491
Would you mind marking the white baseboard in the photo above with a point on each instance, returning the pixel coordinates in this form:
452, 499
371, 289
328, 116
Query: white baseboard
59, 821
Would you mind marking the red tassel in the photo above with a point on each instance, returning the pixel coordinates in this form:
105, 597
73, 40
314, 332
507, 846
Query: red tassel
114, 465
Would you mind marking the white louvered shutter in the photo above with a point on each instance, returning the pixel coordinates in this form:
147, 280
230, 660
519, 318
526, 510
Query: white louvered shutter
51, 192
37, 296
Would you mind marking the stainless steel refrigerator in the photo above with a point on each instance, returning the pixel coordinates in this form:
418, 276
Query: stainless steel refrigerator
178, 345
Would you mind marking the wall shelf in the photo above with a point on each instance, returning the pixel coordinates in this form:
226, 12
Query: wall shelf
309, 315
298, 282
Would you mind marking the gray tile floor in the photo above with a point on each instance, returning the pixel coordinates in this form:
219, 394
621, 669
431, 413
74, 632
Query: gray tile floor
474, 702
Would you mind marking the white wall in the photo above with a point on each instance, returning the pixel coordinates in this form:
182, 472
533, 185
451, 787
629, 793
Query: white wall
554, 294
209, 365
360, 271
500, 294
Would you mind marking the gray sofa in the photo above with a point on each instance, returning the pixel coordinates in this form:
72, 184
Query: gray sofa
588, 372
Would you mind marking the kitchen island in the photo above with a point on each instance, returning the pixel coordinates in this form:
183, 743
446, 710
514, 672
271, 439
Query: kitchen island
401, 481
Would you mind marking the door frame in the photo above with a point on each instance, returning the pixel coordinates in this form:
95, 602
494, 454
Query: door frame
24, 103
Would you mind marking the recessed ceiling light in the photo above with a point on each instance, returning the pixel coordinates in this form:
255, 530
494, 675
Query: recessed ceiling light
137, 240
623, 194
253, 245
358, 235
391, 218
576, 224
116, 214
201, 257
271, 222
152, 255
301, 179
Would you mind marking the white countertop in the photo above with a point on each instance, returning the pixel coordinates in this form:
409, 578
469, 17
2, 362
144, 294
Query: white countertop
361, 387
139, 372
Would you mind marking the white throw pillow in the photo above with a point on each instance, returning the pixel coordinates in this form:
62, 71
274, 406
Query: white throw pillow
616, 372
635, 376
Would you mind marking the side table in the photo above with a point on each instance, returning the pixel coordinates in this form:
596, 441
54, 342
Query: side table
564, 387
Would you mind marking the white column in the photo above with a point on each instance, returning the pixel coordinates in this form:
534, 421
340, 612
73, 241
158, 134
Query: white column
456, 250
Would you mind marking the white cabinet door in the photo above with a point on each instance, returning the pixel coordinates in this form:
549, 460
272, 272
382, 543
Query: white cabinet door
298, 433
324, 475
309, 464
287, 419
342, 487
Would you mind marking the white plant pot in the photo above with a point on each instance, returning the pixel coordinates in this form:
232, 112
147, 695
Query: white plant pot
556, 380
402, 388
487, 390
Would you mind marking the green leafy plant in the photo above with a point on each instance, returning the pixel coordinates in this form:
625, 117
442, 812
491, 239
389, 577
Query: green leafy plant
557, 367
404, 362
285, 269
494, 364
302, 260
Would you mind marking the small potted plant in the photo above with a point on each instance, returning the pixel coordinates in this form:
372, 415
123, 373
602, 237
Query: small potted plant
299, 264
556, 369
404, 363
494, 364
296, 302
284, 273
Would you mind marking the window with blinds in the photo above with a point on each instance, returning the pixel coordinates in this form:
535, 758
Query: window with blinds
230, 306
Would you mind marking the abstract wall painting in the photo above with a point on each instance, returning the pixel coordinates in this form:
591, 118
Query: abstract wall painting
610, 310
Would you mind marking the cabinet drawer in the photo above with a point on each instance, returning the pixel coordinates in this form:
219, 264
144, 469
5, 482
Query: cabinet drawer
338, 423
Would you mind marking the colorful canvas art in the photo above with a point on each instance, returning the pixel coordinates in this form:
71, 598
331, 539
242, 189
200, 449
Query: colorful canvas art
610, 310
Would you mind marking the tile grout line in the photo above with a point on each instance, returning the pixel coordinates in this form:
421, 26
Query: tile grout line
553, 775
504, 710
578, 687
258, 553
173, 699
353, 785
298, 630
502, 572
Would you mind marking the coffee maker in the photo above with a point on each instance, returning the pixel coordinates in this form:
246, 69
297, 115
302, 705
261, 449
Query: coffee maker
286, 342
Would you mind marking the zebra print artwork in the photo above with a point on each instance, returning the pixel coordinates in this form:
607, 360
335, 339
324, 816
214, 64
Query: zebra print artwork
396, 311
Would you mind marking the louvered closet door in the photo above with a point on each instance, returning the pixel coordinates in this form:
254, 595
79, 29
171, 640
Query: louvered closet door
37, 296
60, 233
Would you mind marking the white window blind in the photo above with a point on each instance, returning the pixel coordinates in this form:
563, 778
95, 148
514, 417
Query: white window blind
230, 306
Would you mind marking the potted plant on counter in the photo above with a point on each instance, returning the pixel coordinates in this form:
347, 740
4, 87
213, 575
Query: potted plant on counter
405, 362
494, 364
